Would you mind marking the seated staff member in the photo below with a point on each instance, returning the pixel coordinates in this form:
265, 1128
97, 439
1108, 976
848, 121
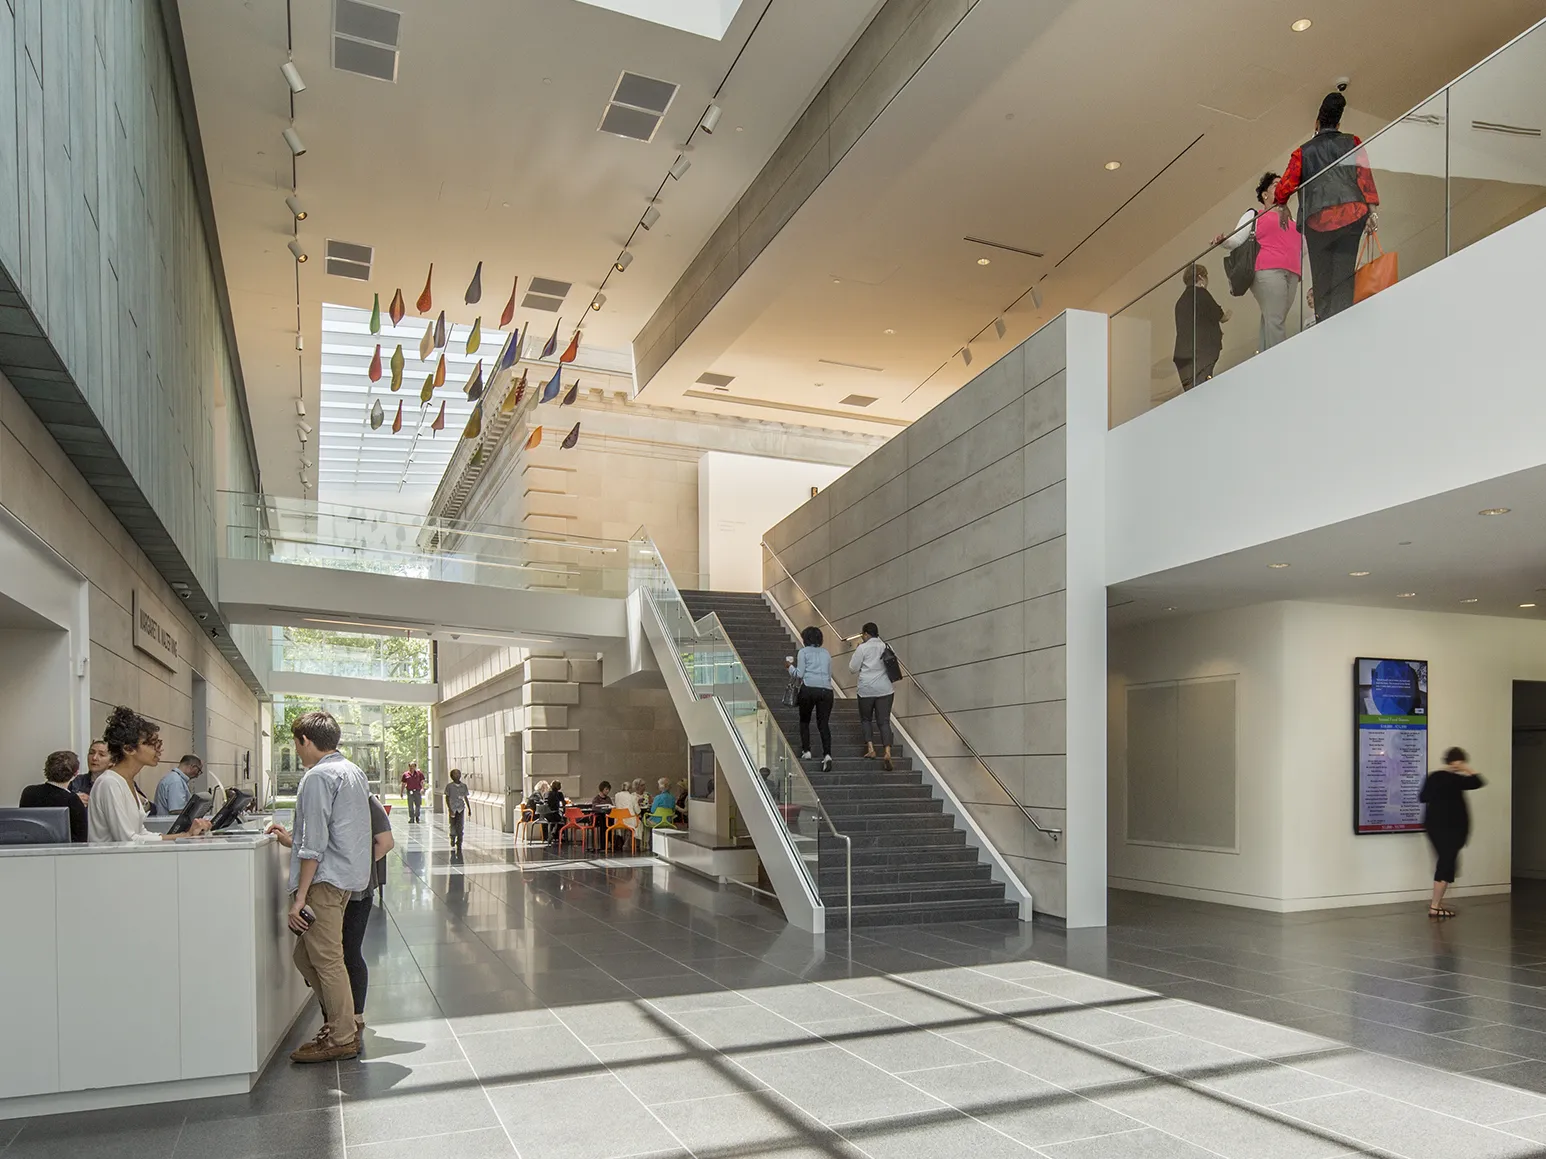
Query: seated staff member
97, 762
55, 793
117, 810
174, 789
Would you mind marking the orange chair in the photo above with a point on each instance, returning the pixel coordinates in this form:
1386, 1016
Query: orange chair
523, 826
575, 820
617, 822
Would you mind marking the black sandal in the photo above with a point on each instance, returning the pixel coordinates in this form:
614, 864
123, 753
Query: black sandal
1440, 912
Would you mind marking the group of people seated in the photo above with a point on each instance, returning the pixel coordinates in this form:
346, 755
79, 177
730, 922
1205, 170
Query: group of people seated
547, 806
105, 801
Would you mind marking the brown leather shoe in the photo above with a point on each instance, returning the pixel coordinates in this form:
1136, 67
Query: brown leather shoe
324, 1049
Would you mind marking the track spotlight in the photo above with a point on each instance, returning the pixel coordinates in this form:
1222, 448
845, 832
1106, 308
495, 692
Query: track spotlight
966, 355
293, 139
624, 260
710, 119
1036, 297
1000, 327
292, 77
294, 247
679, 170
300, 344
651, 216
297, 210
304, 428
598, 301
307, 464
300, 407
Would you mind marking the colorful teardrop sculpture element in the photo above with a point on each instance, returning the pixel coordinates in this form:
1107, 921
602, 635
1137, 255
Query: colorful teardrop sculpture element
474, 426
440, 420
475, 383
512, 351
552, 343
535, 439
375, 364
571, 438
397, 423
427, 343
429, 388
477, 455
550, 391
397, 367
396, 310
571, 395
376, 417
475, 337
508, 314
440, 372
573, 350
426, 301
440, 331
475, 287
513, 398
375, 314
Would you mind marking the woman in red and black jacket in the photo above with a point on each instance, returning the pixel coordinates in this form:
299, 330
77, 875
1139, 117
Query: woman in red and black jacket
1336, 199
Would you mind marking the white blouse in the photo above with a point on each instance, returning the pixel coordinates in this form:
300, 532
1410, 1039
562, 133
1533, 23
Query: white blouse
115, 812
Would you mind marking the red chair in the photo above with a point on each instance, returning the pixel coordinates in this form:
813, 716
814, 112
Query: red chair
576, 819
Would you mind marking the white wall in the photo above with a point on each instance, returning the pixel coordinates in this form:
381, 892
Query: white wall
1290, 441
1297, 849
739, 498
36, 689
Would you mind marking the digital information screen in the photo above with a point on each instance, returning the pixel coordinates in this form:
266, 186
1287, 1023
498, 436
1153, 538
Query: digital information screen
1390, 744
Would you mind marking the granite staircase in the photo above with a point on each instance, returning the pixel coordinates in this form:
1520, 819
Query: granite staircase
911, 862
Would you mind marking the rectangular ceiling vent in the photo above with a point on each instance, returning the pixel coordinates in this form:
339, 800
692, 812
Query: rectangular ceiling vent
637, 107
546, 294
347, 260
857, 400
1506, 130
709, 378
365, 39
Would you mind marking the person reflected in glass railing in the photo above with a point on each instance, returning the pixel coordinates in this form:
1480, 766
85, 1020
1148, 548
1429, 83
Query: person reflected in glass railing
875, 692
1199, 328
1336, 204
1275, 279
813, 666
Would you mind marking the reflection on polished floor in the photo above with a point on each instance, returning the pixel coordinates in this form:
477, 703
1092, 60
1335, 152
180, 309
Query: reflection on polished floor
591, 1009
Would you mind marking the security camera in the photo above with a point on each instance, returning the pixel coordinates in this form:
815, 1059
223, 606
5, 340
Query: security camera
1342, 82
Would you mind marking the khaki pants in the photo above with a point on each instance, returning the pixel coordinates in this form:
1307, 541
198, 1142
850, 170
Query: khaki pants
319, 956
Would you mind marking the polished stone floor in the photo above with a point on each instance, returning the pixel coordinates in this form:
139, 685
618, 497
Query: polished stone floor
580, 1009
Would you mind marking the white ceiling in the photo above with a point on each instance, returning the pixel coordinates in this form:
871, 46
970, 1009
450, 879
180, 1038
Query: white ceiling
485, 149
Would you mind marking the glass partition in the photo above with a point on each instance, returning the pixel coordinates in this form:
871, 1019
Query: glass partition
1460, 166
321, 652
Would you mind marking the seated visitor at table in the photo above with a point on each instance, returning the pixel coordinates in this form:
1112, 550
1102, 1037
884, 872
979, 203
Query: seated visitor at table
681, 801
54, 792
118, 807
553, 813
603, 795
626, 800
664, 799
97, 762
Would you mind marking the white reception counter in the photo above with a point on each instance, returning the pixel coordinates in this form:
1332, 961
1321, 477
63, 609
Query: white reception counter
142, 973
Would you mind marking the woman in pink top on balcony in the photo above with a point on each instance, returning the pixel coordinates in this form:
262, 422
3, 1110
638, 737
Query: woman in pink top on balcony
1276, 284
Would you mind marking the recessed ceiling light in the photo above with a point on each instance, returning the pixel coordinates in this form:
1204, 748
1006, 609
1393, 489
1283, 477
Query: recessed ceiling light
1113, 165
1170, 609
1527, 605
1404, 543
1494, 510
1406, 595
984, 261
1357, 573
1302, 25
888, 330
1471, 600
1277, 566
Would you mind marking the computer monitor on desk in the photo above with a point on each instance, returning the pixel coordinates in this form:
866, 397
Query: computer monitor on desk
34, 826
197, 806
231, 812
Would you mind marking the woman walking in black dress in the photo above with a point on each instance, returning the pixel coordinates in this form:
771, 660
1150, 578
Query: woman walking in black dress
1447, 821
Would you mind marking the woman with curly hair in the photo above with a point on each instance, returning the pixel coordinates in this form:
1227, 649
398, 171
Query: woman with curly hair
117, 810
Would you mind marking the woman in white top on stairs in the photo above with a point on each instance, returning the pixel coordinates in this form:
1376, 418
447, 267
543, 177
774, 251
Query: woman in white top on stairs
875, 692
117, 809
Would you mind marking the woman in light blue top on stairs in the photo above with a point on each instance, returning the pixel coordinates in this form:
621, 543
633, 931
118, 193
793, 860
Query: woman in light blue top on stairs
876, 695
813, 666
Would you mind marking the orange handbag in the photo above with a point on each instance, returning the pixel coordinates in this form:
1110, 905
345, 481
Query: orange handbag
1376, 269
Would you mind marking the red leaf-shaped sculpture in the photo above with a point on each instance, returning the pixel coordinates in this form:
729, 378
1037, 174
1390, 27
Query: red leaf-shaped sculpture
426, 300
396, 310
375, 364
440, 420
508, 315
397, 423
573, 350
440, 372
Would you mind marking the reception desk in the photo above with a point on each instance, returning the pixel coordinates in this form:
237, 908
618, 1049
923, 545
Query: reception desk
142, 973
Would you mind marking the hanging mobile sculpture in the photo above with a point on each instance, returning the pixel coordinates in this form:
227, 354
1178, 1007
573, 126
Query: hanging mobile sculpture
573, 349
440, 420
571, 395
475, 383
397, 367
571, 438
427, 343
375, 364
375, 415
426, 301
552, 343
397, 423
375, 314
475, 287
440, 331
550, 391
535, 439
396, 311
475, 336
508, 314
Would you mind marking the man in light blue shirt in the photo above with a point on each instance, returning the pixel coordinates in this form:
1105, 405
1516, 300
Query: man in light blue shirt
174, 789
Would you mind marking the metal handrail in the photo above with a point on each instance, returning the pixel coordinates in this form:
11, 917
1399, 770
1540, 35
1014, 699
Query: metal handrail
821, 809
1055, 834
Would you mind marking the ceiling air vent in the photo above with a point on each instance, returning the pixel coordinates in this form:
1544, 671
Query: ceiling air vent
708, 378
347, 260
365, 39
857, 400
1507, 130
637, 107
546, 294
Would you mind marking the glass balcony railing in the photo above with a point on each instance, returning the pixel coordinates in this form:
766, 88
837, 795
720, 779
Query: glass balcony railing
317, 652
303, 531
1460, 166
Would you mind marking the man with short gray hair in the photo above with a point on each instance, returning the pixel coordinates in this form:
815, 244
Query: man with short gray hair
176, 787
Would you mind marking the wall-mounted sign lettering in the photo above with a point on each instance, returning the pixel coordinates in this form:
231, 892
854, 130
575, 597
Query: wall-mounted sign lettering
155, 632
1390, 744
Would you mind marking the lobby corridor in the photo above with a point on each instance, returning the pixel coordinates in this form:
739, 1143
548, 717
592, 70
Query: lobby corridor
584, 1009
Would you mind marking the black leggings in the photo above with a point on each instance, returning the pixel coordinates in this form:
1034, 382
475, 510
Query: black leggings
1333, 255
819, 701
356, 919
876, 710
1447, 851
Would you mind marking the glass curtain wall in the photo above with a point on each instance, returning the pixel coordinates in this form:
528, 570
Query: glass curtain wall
380, 737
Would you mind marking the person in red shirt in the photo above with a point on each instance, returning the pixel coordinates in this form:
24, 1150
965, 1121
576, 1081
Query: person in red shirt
1336, 204
413, 786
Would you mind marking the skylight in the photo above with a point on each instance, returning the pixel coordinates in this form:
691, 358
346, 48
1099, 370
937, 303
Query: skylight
710, 18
